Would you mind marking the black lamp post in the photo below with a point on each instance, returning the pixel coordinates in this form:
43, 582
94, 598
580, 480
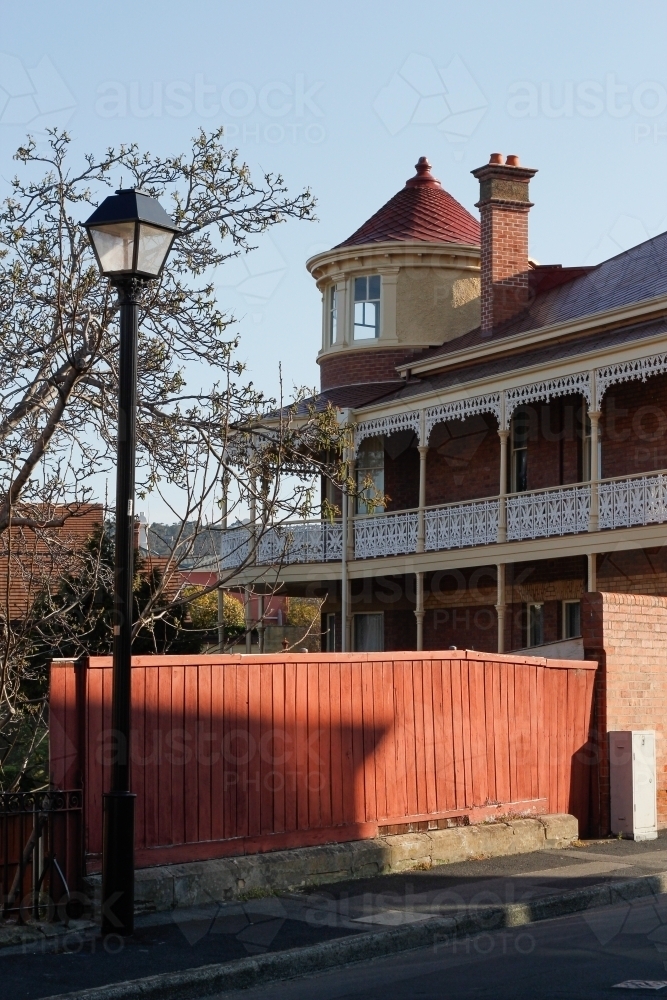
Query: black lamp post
131, 235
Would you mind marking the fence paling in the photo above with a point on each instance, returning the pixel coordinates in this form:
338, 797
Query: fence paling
233, 755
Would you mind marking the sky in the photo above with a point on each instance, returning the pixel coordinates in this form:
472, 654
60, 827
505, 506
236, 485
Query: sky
344, 98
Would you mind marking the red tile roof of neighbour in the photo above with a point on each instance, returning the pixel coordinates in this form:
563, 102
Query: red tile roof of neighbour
422, 211
39, 558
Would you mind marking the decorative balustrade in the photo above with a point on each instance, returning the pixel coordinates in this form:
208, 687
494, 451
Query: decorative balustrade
385, 535
628, 502
293, 542
562, 511
301, 542
455, 526
234, 546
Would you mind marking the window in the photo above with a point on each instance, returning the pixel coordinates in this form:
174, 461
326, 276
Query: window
535, 616
369, 633
333, 315
519, 462
332, 494
367, 307
370, 474
571, 619
330, 635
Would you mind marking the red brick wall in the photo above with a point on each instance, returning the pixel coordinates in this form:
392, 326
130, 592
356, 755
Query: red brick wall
463, 461
359, 366
635, 571
400, 630
471, 627
554, 443
504, 263
401, 479
627, 635
634, 427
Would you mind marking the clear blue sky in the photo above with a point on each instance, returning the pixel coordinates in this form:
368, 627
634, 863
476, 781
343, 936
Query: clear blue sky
344, 97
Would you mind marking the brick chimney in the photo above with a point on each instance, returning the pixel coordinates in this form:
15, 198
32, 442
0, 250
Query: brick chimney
504, 205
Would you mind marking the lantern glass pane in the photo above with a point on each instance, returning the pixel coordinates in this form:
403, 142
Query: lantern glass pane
154, 246
114, 244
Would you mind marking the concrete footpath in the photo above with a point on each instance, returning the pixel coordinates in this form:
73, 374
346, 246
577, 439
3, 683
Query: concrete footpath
224, 946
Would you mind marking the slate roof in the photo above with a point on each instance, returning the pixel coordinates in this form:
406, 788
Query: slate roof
541, 354
632, 276
353, 396
422, 210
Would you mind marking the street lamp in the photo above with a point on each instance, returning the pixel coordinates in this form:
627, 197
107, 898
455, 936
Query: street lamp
131, 235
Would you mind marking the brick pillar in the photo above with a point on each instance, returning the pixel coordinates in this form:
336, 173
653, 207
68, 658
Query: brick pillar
627, 635
504, 206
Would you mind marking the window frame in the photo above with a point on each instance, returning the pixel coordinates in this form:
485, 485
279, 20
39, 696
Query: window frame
330, 634
530, 606
569, 601
361, 507
515, 452
368, 614
375, 302
332, 315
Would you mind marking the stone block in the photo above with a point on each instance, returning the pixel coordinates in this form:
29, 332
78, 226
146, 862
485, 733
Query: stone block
527, 835
153, 890
449, 846
490, 840
408, 849
560, 829
200, 883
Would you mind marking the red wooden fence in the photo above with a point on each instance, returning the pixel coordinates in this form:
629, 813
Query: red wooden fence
234, 755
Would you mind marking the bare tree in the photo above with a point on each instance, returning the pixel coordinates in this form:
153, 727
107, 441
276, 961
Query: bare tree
201, 423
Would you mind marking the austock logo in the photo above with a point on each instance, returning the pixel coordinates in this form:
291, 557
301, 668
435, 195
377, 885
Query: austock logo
447, 99
36, 96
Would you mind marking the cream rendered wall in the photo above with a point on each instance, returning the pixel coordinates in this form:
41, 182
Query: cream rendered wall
436, 304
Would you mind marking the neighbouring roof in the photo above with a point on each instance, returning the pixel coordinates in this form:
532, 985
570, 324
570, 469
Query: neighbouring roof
422, 211
38, 559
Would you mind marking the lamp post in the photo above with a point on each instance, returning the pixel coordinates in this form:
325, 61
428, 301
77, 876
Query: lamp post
131, 235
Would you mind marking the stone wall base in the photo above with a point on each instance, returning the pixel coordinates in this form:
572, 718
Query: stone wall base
200, 882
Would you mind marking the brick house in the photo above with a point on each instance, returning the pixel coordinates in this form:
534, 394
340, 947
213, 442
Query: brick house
513, 414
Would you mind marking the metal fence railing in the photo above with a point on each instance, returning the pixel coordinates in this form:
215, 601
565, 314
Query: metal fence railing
41, 853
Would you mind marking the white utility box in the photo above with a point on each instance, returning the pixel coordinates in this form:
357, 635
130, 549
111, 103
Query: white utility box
632, 780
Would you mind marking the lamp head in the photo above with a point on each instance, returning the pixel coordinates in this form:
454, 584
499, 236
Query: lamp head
131, 235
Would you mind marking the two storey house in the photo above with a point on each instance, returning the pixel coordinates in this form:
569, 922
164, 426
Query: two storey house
512, 413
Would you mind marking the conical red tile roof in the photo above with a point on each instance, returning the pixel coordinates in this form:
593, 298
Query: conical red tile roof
422, 210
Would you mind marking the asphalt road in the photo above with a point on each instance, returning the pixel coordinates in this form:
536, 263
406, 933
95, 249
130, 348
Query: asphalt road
186, 939
579, 957
80, 961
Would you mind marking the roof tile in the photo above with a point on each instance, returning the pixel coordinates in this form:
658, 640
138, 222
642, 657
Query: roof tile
421, 211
